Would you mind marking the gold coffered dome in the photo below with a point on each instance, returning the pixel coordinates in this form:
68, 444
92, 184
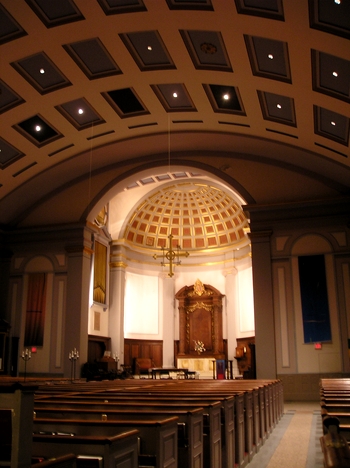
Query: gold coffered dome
198, 215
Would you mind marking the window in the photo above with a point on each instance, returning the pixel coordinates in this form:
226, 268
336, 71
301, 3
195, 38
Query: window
314, 299
35, 311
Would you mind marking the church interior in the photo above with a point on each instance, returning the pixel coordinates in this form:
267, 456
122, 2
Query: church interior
174, 188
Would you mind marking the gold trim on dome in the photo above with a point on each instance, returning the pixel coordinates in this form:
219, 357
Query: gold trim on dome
118, 265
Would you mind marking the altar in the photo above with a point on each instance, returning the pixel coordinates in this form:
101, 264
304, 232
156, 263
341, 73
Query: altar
201, 340
202, 366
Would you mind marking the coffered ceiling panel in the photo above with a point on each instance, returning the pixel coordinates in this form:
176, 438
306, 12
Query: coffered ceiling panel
9, 28
207, 50
126, 83
55, 13
41, 72
93, 58
263, 8
148, 50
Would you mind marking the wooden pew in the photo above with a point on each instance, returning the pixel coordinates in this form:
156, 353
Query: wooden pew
204, 420
248, 410
270, 402
5, 436
65, 461
92, 450
336, 451
266, 406
158, 436
236, 412
335, 411
218, 413
190, 421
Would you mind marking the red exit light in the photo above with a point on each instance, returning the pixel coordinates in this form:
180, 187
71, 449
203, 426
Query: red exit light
318, 346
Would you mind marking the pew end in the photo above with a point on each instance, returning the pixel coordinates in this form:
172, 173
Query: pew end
335, 448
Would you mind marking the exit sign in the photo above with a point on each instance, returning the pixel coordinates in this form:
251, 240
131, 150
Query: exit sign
318, 346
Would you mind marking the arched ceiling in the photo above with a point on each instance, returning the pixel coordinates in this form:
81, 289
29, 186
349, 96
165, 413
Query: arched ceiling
87, 88
198, 216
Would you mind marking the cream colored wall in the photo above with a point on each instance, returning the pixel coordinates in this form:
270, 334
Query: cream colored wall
98, 320
142, 318
238, 313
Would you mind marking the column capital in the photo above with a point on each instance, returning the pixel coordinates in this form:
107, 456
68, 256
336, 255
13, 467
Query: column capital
260, 236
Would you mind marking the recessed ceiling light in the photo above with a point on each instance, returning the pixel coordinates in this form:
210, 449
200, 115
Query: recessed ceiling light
37, 128
335, 74
226, 97
149, 47
175, 95
81, 111
338, 2
332, 122
42, 71
279, 106
270, 56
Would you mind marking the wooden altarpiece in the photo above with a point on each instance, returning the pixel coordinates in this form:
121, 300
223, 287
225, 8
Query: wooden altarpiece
200, 320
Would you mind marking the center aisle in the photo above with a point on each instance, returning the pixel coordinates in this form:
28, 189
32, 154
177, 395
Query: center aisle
295, 441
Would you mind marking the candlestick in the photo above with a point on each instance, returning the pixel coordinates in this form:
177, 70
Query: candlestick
73, 357
26, 355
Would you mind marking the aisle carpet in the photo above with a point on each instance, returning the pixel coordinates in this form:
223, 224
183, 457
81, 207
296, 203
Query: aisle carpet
295, 441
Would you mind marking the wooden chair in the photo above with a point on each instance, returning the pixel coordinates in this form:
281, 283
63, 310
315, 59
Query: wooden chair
142, 366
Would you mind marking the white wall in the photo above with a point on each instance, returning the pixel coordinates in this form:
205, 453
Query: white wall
141, 309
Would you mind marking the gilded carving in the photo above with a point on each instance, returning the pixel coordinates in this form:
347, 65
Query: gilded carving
200, 305
199, 290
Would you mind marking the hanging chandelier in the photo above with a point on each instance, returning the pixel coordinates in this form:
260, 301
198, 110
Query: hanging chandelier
170, 256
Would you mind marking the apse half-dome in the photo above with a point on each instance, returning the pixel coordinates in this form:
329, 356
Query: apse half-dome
199, 216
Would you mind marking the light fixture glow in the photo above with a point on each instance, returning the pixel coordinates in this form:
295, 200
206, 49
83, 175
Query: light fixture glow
335, 74
149, 47
333, 123
175, 94
279, 106
226, 97
37, 128
337, 2
42, 71
270, 56
80, 111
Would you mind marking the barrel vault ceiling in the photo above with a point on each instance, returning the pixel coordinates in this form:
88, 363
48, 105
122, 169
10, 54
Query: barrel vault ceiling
90, 86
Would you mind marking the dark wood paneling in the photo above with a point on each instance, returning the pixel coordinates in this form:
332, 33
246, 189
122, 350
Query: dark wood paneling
245, 355
152, 349
97, 345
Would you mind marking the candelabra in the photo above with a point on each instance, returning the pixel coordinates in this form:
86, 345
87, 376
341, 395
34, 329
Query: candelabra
26, 355
116, 359
73, 357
